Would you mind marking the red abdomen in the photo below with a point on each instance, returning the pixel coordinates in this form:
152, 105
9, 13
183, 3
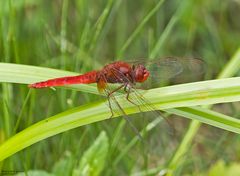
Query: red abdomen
86, 78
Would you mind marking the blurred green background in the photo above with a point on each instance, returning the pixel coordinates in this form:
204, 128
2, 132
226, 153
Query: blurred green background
81, 35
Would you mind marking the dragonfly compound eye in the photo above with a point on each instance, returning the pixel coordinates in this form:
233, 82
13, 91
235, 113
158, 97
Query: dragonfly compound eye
141, 73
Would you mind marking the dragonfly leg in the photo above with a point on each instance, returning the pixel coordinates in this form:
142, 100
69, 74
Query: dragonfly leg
109, 94
110, 106
115, 90
128, 94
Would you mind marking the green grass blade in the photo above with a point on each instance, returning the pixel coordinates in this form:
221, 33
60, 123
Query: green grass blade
232, 67
167, 31
100, 24
63, 43
140, 27
198, 93
164, 36
208, 117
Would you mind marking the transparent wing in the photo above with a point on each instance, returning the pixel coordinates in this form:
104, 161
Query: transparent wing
164, 69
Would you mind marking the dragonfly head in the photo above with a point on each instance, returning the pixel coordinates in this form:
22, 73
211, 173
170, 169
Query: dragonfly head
140, 73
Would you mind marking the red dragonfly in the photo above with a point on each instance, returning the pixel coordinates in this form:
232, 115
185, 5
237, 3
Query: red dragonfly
120, 72
116, 72
127, 74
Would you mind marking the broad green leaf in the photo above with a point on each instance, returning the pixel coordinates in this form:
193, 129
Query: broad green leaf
94, 159
64, 166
